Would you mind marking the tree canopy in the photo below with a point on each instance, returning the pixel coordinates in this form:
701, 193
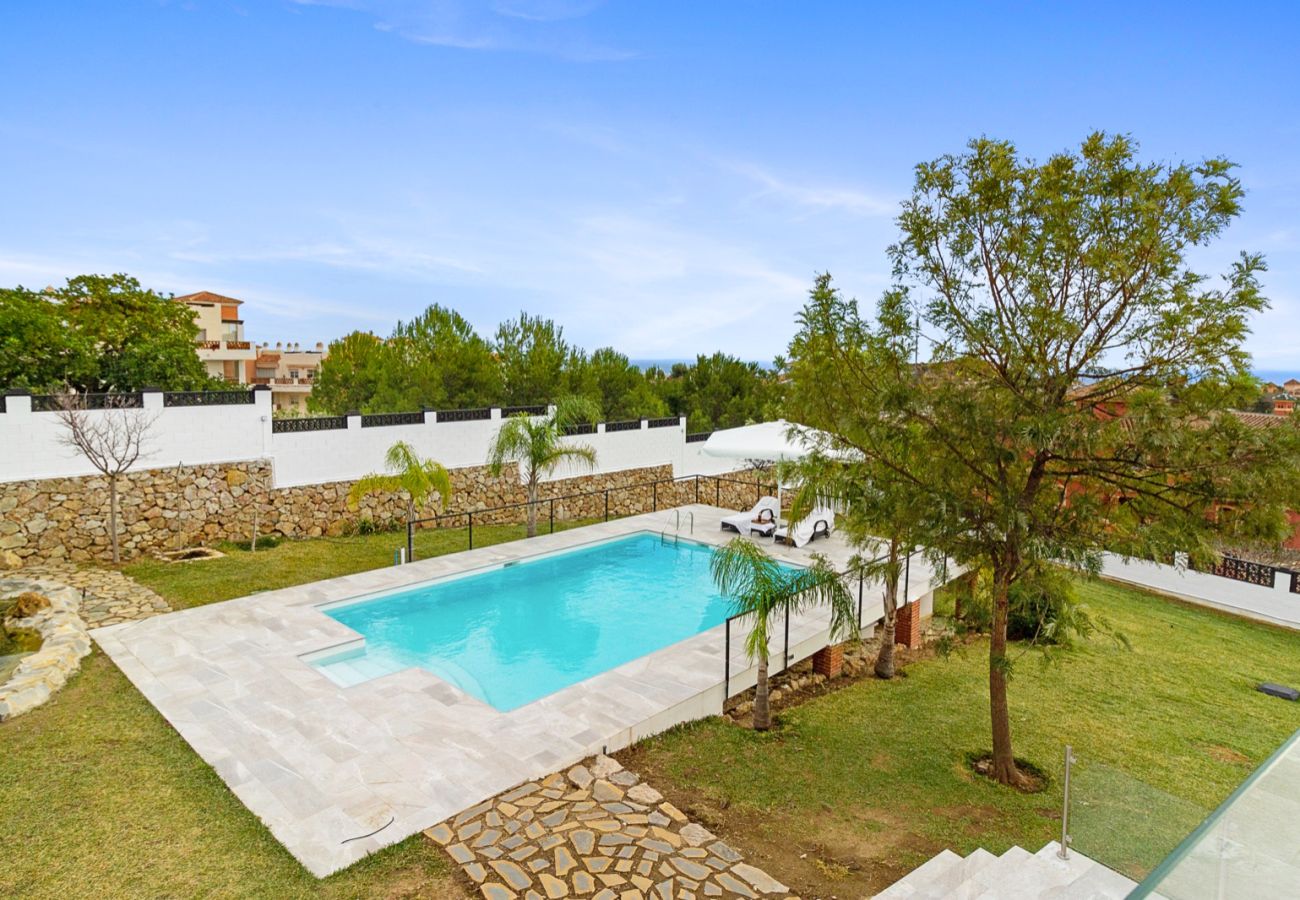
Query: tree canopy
1081, 374
439, 361
97, 333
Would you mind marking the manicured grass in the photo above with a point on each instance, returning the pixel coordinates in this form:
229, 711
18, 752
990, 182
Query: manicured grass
242, 572
101, 797
99, 790
862, 784
853, 789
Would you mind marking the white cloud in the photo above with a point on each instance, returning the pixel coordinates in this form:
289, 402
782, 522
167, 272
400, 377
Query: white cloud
548, 27
815, 196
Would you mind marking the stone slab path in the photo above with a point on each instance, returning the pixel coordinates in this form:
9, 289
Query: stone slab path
596, 831
110, 597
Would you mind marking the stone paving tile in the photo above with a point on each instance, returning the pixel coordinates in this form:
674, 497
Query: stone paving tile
110, 597
595, 831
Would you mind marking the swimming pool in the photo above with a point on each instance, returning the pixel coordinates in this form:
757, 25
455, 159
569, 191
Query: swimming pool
516, 633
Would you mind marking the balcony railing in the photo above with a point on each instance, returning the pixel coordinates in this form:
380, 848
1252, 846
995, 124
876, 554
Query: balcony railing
223, 345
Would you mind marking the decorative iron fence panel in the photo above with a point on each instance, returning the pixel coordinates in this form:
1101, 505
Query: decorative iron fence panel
311, 423
206, 398
1244, 570
54, 402
523, 410
464, 415
380, 420
665, 422
581, 428
1295, 582
698, 437
632, 425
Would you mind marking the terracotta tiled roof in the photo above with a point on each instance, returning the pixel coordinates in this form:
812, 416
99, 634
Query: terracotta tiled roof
1258, 419
207, 297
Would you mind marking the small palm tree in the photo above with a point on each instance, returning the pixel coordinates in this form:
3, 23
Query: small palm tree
534, 443
408, 474
762, 588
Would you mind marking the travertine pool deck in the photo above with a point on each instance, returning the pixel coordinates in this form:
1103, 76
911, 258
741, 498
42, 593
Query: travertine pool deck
337, 773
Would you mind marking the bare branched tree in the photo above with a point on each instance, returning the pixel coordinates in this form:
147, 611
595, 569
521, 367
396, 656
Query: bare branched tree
112, 437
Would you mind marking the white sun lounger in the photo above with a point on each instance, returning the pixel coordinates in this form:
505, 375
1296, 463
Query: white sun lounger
764, 512
817, 523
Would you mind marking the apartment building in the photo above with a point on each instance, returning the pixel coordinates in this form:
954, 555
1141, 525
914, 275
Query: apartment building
220, 342
287, 369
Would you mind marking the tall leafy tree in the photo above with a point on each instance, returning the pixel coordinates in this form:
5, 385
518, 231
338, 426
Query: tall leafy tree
535, 446
97, 333
435, 360
609, 378
532, 354
140, 337
764, 590
884, 517
1081, 374
439, 360
38, 350
351, 376
720, 391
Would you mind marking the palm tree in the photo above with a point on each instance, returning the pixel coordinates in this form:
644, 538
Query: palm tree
760, 587
408, 474
535, 444
879, 517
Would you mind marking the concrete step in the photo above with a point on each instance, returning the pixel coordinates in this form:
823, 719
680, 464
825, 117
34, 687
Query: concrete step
922, 876
1015, 875
956, 885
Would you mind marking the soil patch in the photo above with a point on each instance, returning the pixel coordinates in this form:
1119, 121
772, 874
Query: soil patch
825, 856
1033, 779
1227, 755
190, 554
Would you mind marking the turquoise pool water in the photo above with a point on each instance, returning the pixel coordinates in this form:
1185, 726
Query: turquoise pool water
512, 635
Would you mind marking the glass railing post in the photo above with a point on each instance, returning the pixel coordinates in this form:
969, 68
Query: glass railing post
1064, 852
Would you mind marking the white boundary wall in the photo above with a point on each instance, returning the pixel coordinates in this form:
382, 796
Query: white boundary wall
1276, 604
31, 446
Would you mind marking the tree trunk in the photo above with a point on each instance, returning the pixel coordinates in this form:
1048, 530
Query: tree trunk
532, 508
762, 709
1004, 769
112, 517
885, 657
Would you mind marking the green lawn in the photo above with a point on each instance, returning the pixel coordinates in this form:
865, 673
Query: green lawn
853, 789
860, 785
243, 572
101, 797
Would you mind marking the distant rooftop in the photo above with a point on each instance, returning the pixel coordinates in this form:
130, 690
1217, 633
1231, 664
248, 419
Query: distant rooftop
208, 297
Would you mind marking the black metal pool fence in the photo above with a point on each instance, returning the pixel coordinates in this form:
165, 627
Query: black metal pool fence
596, 504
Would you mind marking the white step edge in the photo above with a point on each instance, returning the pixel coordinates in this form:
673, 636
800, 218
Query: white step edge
960, 887
931, 869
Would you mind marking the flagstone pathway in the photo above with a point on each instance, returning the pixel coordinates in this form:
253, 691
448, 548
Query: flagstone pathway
108, 596
596, 831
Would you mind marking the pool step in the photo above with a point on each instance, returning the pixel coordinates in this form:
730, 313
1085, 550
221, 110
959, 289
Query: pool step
355, 670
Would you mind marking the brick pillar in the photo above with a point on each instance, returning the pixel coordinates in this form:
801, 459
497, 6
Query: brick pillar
829, 661
907, 627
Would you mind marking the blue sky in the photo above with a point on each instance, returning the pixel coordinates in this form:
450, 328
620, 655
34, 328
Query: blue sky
665, 177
